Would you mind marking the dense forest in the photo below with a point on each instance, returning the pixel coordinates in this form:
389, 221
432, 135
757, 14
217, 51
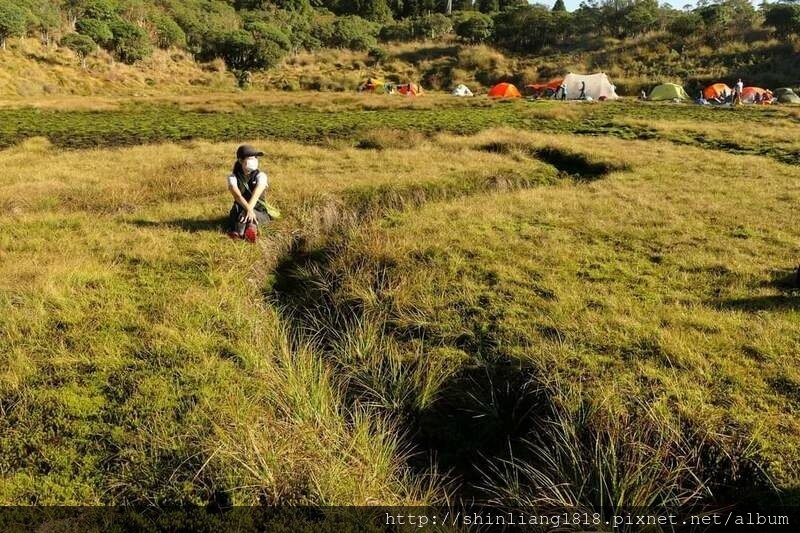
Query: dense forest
257, 34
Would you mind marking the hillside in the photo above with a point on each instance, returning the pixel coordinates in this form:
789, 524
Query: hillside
31, 70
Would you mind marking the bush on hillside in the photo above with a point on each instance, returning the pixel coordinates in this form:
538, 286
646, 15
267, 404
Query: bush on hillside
475, 28
525, 29
96, 9
264, 31
44, 18
130, 43
243, 51
98, 30
399, 31
168, 33
434, 26
201, 21
374, 10
12, 21
686, 24
378, 55
785, 18
83, 45
353, 32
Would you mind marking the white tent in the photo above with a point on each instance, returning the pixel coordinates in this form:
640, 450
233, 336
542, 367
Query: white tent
597, 86
461, 90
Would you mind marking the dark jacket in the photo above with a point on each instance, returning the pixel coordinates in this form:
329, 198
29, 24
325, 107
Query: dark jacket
247, 184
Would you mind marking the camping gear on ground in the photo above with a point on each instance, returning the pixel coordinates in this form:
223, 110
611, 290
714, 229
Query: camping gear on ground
504, 90
667, 91
785, 95
273, 212
597, 87
409, 89
461, 90
717, 91
751, 95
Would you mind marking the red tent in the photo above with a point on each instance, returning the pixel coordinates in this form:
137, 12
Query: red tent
749, 95
540, 88
409, 89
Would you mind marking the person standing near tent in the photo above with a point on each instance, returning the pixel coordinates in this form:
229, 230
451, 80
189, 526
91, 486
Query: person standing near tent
582, 95
248, 185
737, 92
563, 89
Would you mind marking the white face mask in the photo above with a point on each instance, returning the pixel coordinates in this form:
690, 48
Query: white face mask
251, 164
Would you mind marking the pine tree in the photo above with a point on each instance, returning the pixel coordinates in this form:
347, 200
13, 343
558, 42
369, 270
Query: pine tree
559, 6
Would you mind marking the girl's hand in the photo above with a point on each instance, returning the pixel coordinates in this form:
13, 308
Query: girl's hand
250, 216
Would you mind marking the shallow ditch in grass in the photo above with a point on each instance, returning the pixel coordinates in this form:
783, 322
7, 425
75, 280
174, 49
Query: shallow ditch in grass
492, 407
494, 412
568, 163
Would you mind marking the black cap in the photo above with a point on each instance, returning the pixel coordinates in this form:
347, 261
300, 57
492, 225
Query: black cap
245, 151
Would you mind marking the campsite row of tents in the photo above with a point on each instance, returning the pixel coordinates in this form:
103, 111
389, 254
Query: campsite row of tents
578, 87
572, 87
594, 87
377, 86
720, 91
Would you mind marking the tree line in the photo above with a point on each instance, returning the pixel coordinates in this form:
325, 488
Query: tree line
256, 34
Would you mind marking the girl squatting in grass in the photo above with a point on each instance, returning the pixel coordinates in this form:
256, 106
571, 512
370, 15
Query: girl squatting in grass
248, 185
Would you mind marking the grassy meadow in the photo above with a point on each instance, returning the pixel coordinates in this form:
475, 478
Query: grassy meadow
556, 305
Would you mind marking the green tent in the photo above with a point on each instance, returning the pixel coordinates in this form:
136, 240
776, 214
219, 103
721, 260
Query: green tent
667, 91
786, 96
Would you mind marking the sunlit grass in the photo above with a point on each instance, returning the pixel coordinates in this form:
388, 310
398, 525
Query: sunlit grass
146, 358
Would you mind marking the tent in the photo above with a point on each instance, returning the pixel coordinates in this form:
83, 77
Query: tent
787, 96
545, 88
749, 95
716, 90
504, 90
461, 90
598, 86
372, 85
409, 89
667, 91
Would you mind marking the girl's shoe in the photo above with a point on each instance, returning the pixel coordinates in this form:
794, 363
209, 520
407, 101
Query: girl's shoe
251, 233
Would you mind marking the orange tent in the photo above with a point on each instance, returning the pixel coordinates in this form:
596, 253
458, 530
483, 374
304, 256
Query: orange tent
504, 90
716, 90
409, 89
749, 94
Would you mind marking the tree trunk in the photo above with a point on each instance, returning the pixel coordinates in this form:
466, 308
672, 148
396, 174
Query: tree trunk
449, 8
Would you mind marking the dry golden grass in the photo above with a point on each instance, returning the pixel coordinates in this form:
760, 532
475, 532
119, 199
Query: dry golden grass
31, 71
141, 336
666, 281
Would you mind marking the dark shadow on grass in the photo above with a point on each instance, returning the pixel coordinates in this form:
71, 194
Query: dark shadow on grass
576, 165
572, 164
192, 225
786, 302
785, 280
